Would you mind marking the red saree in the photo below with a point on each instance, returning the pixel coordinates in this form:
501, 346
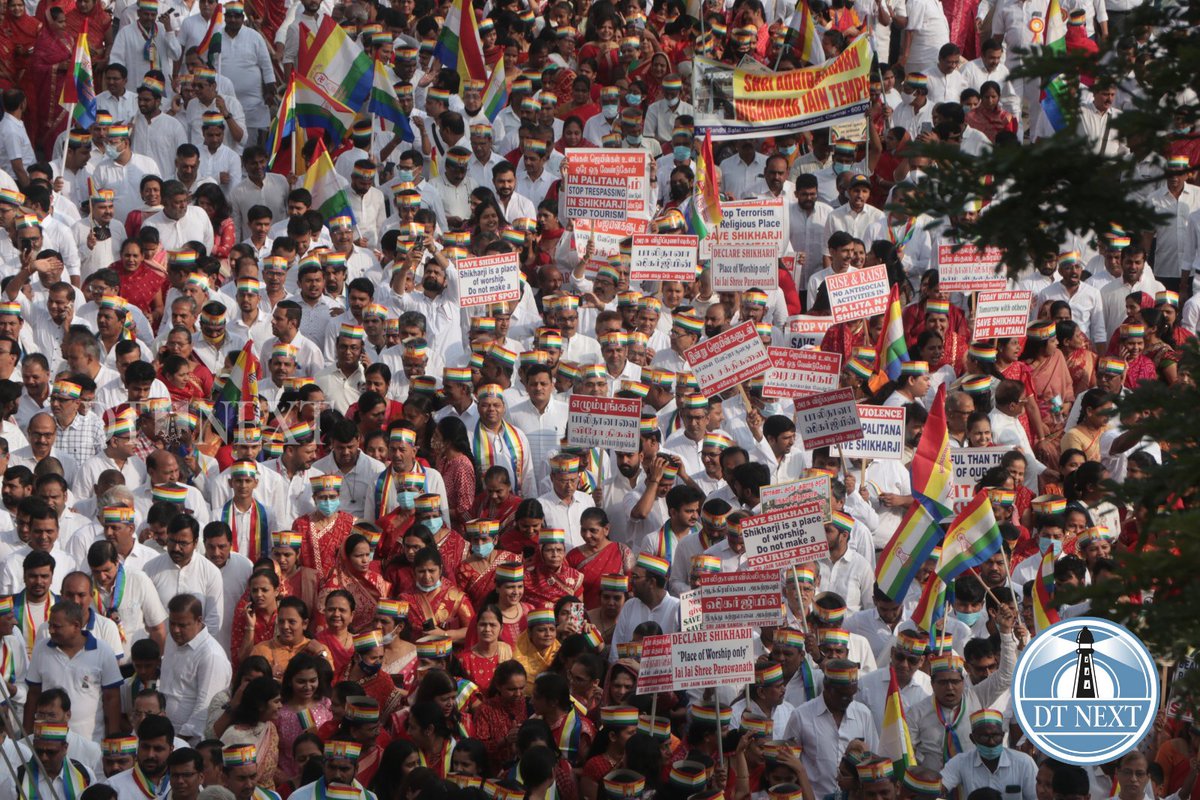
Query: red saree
319, 550
543, 588
445, 606
478, 578
49, 67
367, 590
612, 559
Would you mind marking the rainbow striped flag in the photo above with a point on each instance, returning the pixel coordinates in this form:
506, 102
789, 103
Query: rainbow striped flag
1044, 612
910, 546
316, 109
1054, 93
383, 102
329, 196
336, 65
931, 472
804, 29
240, 390
895, 741
495, 96
973, 538
283, 138
706, 211
932, 605
892, 350
458, 46
210, 45
78, 92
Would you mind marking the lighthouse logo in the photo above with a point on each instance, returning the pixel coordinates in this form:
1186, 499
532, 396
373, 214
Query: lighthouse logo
1085, 691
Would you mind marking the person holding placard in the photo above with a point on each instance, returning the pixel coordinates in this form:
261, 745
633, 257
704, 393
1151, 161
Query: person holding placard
650, 601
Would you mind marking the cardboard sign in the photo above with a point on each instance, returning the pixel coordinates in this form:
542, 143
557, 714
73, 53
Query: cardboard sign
747, 244
728, 359
970, 465
797, 493
655, 674
969, 269
1176, 708
826, 419
785, 536
663, 257
1001, 314
702, 659
858, 293
598, 183
883, 434
852, 130
805, 331
691, 614
734, 599
612, 423
797, 373
606, 236
489, 279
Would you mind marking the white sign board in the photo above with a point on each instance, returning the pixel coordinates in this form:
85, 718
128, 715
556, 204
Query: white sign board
727, 359
708, 658
805, 331
797, 493
1001, 314
858, 293
613, 423
883, 434
691, 614
796, 373
785, 536
601, 183
663, 257
826, 419
970, 465
969, 269
489, 279
747, 245
734, 599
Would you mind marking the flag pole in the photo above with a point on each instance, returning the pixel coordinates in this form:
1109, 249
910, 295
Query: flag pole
62, 167
799, 599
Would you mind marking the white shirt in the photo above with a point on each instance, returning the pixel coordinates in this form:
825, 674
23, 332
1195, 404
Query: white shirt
824, 742
234, 577
873, 693
544, 430
174, 234
1087, 307
200, 578
158, 139
191, 675
742, 180
930, 31
1175, 237
84, 676
1015, 775
358, 484
140, 606
566, 514
635, 612
134, 472
806, 234
246, 61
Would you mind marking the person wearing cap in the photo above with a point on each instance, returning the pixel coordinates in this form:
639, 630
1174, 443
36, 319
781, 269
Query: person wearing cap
342, 382
989, 764
909, 649
260, 187
150, 44
857, 216
915, 111
155, 134
1087, 305
662, 114
339, 765
543, 418
57, 775
246, 59
180, 221
825, 725
122, 170
1177, 201
534, 179
1136, 276
650, 601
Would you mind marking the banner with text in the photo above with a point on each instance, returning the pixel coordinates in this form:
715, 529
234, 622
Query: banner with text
691, 614
613, 423
827, 419
727, 359
734, 599
883, 434
805, 331
858, 293
1001, 314
796, 373
655, 673
606, 237
785, 536
663, 257
970, 465
707, 658
968, 268
797, 493
747, 245
599, 183
489, 279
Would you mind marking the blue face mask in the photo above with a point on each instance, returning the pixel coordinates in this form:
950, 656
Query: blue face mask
432, 525
990, 752
609, 110
968, 618
428, 589
633, 99
788, 149
329, 507
633, 141
839, 169
483, 549
369, 669
404, 176
406, 500
681, 152
1046, 545
772, 409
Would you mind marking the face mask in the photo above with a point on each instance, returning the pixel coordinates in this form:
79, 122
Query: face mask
633, 99
839, 169
432, 525
388, 638
681, 152
989, 752
633, 141
787, 151
407, 500
609, 111
968, 618
483, 549
369, 669
672, 101
1046, 545
111, 151
329, 507
428, 589
772, 409
404, 176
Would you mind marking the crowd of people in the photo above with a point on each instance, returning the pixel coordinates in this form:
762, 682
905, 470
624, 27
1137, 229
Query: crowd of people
382, 570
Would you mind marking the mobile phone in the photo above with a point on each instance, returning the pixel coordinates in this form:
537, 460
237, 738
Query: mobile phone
926, 127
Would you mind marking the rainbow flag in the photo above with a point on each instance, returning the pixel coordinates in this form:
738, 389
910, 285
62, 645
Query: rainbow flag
336, 65
1054, 38
458, 46
383, 102
495, 96
78, 92
329, 196
973, 538
315, 109
1054, 94
931, 473
895, 741
282, 139
706, 211
1044, 612
241, 387
210, 45
804, 29
910, 546
892, 350
932, 605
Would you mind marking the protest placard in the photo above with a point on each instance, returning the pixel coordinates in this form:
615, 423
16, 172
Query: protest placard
612, 423
606, 236
598, 183
728, 358
707, 658
663, 257
969, 269
655, 673
1176, 707
1001, 314
970, 465
785, 536
691, 614
797, 493
805, 331
883, 434
489, 279
796, 373
858, 293
734, 599
829, 418
747, 244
